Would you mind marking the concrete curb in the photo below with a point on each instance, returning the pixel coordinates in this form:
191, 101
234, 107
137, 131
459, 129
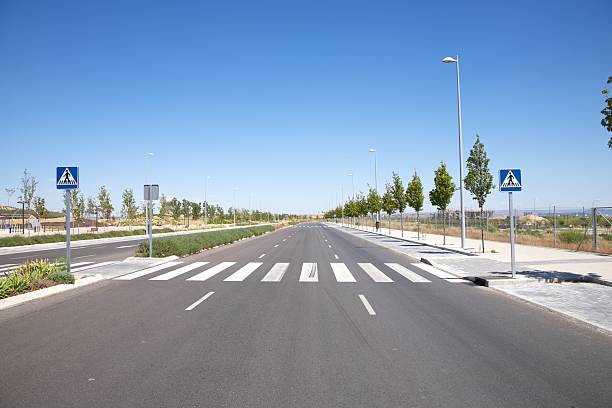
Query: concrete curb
443, 248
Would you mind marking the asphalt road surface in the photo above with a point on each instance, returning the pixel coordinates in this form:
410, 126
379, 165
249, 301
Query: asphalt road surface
307, 316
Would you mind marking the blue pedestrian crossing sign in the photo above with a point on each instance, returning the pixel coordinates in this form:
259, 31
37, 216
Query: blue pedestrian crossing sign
67, 178
510, 180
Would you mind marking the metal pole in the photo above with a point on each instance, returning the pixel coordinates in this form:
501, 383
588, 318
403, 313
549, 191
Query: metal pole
555, 224
67, 193
150, 225
460, 157
511, 213
23, 217
205, 202
594, 229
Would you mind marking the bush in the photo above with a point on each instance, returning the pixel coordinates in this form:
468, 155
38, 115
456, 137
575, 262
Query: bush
607, 237
194, 243
45, 239
34, 275
572, 236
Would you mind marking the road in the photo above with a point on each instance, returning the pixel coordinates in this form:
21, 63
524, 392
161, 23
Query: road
237, 327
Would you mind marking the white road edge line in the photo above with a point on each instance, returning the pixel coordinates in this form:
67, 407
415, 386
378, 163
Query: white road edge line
367, 305
261, 256
276, 246
203, 298
127, 246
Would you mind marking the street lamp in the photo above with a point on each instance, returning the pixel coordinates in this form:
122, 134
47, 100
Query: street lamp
22, 215
148, 207
451, 60
375, 183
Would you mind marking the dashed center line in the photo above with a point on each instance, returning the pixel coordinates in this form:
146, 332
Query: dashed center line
194, 305
261, 256
367, 305
329, 246
336, 256
276, 246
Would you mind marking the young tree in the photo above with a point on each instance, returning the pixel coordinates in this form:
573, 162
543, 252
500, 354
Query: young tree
28, 188
196, 210
39, 207
92, 208
9, 193
415, 198
104, 200
374, 203
186, 206
388, 203
361, 205
442, 193
77, 207
129, 209
479, 180
399, 195
164, 206
607, 111
175, 209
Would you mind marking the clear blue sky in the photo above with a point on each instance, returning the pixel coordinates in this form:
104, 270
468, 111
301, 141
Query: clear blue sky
282, 99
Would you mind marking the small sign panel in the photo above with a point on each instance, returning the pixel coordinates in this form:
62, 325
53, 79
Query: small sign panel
510, 180
151, 192
67, 178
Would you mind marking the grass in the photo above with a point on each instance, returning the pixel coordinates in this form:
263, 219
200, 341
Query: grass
45, 239
34, 275
194, 243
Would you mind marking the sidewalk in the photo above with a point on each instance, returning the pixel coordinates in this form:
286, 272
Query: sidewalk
538, 262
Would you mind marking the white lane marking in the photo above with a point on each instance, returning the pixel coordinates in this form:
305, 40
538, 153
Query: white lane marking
457, 280
325, 240
276, 246
80, 263
276, 273
434, 271
147, 271
342, 273
261, 256
336, 256
284, 239
179, 271
407, 273
244, 272
329, 246
210, 272
309, 272
367, 305
7, 265
375, 273
197, 302
84, 268
84, 256
127, 246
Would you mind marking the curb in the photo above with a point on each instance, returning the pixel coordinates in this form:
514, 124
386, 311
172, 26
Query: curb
459, 251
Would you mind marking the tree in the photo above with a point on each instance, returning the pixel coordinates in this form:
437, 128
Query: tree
129, 209
9, 193
442, 193
374, 202
399, 195
388, 203
186, 206
92, 208
607, 111
196, 210
28, 188
361, 205
39, 207
479, 180
175, 209
164, 206
104, 200
415, 198
77, 206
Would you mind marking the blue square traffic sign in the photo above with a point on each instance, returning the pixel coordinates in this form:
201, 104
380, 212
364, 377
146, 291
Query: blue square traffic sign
67, 178
510, 180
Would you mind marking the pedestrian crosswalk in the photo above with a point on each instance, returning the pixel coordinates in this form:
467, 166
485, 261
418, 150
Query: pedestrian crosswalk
303, 272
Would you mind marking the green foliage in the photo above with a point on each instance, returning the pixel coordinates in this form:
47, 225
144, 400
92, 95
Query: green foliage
194, 243
374, 202
414, 193
607, 237
572, 236
399, 195
104, 200
479, 180
606, 122
444, 189
33, 275
175, 209
39, 207
45, 239
129, 208
388, 201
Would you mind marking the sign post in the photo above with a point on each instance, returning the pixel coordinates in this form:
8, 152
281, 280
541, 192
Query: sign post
510, 180
67, 178
151, 192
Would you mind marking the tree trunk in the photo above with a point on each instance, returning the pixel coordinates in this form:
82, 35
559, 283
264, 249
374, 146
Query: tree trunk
389, 217
443, 227
418, 227
402, 223
481, 231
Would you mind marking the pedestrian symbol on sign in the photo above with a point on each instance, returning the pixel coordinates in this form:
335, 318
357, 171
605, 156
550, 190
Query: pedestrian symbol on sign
510, 180
67, 178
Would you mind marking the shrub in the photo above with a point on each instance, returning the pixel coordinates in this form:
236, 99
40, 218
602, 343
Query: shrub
572, 236
607, 237
35, 275
61, 277
194, 243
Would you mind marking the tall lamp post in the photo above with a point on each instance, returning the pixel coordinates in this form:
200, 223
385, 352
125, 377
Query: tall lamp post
455, 60
149, 207
22, 215
375, 184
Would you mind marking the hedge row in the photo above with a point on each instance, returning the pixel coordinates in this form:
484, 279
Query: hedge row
194, 243
34, 275
45, 239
